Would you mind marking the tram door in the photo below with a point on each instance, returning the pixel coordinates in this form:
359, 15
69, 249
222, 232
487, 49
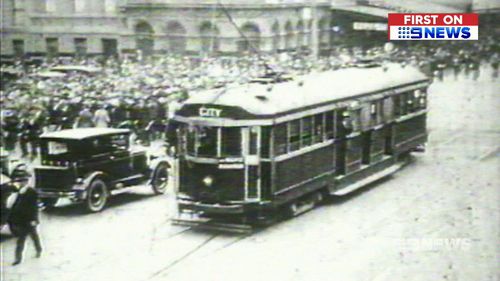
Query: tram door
341, 147
251, 156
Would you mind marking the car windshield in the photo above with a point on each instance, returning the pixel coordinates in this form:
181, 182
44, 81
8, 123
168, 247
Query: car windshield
203, 141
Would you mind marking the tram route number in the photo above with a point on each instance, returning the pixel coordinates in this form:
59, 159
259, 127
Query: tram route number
209, 112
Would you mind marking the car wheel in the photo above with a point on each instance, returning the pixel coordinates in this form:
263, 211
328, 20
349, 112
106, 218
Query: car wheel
49, 202
97, 196
159, 181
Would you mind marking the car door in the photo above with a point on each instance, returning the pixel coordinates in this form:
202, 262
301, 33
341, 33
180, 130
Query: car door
110, 158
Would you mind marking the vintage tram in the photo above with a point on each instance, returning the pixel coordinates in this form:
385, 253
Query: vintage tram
279, 145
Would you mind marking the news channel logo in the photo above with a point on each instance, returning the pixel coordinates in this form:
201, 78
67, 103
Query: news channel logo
433, 27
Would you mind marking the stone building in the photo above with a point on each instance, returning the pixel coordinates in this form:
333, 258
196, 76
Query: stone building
109, 27
91, 27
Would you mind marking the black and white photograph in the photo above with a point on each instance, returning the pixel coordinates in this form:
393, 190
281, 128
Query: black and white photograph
245, 140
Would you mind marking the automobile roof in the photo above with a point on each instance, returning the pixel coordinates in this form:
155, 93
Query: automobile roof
83, 133
82, 68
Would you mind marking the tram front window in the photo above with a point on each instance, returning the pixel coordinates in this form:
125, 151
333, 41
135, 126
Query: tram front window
213, 141
206, 141
231, 142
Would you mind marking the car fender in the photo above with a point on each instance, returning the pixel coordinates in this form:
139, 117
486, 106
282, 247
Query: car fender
157, 161
84, 184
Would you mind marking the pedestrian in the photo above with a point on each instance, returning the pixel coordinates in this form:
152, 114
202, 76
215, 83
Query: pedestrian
24, 219
101, 118
84, 119
24, 129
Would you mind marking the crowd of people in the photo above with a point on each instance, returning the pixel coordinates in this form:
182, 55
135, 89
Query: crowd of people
143, 93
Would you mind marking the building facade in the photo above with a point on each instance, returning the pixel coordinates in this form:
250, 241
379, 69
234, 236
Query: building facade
109, 27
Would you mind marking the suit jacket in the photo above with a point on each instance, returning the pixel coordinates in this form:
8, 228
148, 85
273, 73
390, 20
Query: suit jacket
25, 209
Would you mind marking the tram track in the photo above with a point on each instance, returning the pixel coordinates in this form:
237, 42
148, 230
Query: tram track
162, 272
166, 268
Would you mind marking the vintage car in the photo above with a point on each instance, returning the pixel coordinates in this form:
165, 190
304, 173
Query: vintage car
90, 164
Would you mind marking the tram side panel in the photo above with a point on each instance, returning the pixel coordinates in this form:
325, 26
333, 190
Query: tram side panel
304, 173
410, 133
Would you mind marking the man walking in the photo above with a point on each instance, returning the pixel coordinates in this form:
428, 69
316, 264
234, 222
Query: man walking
24, 219
101, 118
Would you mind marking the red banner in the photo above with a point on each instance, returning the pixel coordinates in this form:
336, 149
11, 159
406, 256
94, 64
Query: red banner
433, 19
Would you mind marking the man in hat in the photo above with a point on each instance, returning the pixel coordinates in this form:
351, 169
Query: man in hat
24, 219
101, 117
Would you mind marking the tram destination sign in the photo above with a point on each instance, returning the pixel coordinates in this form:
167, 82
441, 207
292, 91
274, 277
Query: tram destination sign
374, 26
209, 112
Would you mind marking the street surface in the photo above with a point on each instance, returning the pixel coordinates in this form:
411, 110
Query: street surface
437, 219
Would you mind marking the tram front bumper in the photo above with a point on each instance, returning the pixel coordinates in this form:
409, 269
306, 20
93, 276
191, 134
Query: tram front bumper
210, 208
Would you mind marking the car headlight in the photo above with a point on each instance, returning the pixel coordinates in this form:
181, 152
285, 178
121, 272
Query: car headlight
208, 181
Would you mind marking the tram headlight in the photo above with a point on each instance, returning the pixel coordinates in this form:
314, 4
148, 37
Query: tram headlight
208, 181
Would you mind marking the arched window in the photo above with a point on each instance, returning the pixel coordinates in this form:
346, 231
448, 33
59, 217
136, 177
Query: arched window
288, 35
300, 34
176, 34
252, 34
324, 31
144, 40
80, 6
209, 34
309, 33
110, 6
50, 6
275, 29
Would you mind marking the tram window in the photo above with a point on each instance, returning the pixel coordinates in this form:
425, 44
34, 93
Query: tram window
306, 133
254, 132
294, 135
264, 141
380, 111
404, 103
373, 109
329, 131
318, 128
412, 105
207, 141
397, 105
191, 140
231, 141
419, 99
423, 101
356, 119
281, 138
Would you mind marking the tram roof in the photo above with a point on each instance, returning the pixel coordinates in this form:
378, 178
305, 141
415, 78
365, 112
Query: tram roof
316, 88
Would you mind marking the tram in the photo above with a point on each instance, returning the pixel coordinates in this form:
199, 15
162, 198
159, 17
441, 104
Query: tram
250, 153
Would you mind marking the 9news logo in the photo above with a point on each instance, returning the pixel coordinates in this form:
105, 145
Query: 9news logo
433, 27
